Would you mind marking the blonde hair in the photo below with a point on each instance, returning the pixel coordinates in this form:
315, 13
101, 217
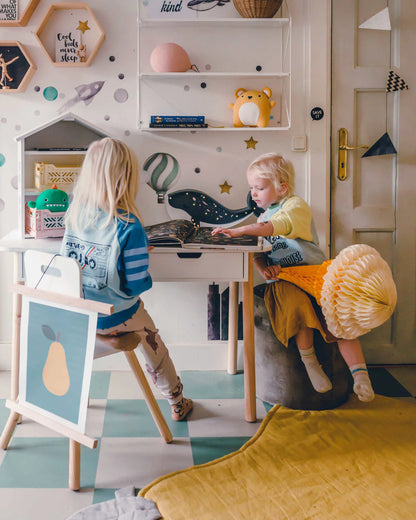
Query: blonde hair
108, 181
274, 167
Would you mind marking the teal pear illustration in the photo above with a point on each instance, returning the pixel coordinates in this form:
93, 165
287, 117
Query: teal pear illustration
55, 372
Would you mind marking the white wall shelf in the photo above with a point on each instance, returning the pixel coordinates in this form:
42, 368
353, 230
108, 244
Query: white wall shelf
239, 59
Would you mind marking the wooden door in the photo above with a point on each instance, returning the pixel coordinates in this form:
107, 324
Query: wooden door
376, 203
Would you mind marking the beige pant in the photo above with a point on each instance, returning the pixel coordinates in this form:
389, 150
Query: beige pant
158, 362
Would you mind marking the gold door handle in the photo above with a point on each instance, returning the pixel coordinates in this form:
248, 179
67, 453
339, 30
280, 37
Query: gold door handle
343, 147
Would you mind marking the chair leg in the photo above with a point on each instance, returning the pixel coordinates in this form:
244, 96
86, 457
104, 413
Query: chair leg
74, 479
149, 396
9, 429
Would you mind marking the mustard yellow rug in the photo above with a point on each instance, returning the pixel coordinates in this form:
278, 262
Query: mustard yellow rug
355, 462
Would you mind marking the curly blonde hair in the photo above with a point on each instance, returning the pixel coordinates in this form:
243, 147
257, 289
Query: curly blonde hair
274, 167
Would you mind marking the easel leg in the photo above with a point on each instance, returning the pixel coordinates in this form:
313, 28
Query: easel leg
149, 397
233, 328
17, 316
8, 430
74, 479
249, 353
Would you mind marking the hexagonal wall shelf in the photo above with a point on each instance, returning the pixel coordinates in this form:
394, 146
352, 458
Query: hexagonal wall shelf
70, 35
16, 68
16, 13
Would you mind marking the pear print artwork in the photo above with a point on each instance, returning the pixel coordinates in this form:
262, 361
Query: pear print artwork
55, 372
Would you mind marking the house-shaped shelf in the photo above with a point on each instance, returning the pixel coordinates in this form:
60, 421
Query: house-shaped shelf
25, 10
61, 141
70, 35
16, 67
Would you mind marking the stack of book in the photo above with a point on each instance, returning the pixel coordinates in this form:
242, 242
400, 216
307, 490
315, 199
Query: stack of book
177, 122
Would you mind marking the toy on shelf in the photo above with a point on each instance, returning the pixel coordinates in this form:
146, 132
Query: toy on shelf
45, 217
252, 107
48, 174
171, 57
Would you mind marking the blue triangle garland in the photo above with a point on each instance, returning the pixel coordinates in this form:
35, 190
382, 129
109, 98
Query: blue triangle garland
383, 146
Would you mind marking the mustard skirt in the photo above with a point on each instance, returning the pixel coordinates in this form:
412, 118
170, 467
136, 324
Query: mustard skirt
291, 309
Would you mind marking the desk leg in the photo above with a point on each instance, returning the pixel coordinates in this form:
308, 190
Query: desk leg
249, 354
232, 328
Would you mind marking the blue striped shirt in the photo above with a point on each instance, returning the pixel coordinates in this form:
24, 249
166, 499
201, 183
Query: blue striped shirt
114, 262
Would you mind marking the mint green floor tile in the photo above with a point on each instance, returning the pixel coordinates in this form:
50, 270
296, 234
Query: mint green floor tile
199, 384
39, 462
100, 382
267, 406
4, 414
103, 495
205, 449
131, 418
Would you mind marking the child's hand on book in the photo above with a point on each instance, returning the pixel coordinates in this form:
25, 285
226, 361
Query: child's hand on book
232, 233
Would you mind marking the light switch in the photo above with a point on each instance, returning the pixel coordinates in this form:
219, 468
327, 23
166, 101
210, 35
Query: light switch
299, 143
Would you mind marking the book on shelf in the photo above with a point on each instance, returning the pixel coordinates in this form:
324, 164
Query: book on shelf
178, 125
184, 233
177, 119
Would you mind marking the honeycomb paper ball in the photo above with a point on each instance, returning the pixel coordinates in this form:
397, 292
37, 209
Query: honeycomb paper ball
169, 57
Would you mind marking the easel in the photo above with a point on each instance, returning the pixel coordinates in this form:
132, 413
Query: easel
76, 438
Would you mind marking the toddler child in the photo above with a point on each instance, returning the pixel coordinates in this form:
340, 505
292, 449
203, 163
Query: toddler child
105, 235
288, 226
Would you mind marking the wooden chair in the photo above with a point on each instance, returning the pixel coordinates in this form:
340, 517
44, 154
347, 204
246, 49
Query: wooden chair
57, 274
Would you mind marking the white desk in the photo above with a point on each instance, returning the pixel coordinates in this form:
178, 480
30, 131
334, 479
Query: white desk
174, 265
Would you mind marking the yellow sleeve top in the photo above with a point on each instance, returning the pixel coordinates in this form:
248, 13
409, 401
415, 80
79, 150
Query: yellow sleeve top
293, 219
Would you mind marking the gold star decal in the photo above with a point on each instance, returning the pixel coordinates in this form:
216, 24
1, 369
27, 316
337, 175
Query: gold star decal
83, 26
225, 188
251, 143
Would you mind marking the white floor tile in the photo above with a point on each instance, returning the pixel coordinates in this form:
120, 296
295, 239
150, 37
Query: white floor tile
223, 418
123, 385
45, 504
139, 461
4, 384
94, 427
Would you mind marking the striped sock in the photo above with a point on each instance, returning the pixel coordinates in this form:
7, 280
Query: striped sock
317, 376
362, 384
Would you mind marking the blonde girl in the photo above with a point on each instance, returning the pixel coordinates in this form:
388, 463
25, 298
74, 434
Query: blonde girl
104, 233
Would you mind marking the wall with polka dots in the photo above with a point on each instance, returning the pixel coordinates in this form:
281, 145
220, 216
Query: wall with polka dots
106, 95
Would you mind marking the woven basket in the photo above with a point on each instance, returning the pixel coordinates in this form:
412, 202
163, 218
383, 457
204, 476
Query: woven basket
257, 8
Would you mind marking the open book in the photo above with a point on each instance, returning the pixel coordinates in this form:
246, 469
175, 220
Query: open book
186, 234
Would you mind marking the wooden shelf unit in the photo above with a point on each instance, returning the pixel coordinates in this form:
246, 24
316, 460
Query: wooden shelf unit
69, 16
25, 8
61, 141
19, 66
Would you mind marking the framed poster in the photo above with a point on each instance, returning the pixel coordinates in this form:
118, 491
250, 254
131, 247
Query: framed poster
8, 10
14, 66
56, 356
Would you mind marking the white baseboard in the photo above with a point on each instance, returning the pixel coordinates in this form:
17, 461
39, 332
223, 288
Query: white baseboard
207, 356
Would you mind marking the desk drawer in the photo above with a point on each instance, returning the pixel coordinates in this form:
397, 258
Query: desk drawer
193, 266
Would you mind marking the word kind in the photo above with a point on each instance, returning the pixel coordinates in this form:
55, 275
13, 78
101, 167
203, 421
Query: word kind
170, 6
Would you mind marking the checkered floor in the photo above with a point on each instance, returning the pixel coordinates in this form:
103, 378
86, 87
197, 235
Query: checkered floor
34, 470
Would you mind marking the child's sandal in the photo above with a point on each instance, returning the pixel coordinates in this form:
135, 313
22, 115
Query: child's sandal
181, 409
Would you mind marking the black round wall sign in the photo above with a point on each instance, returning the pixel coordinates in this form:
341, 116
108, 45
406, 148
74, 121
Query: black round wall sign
317, 113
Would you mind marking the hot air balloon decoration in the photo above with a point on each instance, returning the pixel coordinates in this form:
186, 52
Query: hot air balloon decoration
162, 172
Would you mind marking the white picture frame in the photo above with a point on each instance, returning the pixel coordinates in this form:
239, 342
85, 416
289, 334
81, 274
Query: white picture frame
56, 357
